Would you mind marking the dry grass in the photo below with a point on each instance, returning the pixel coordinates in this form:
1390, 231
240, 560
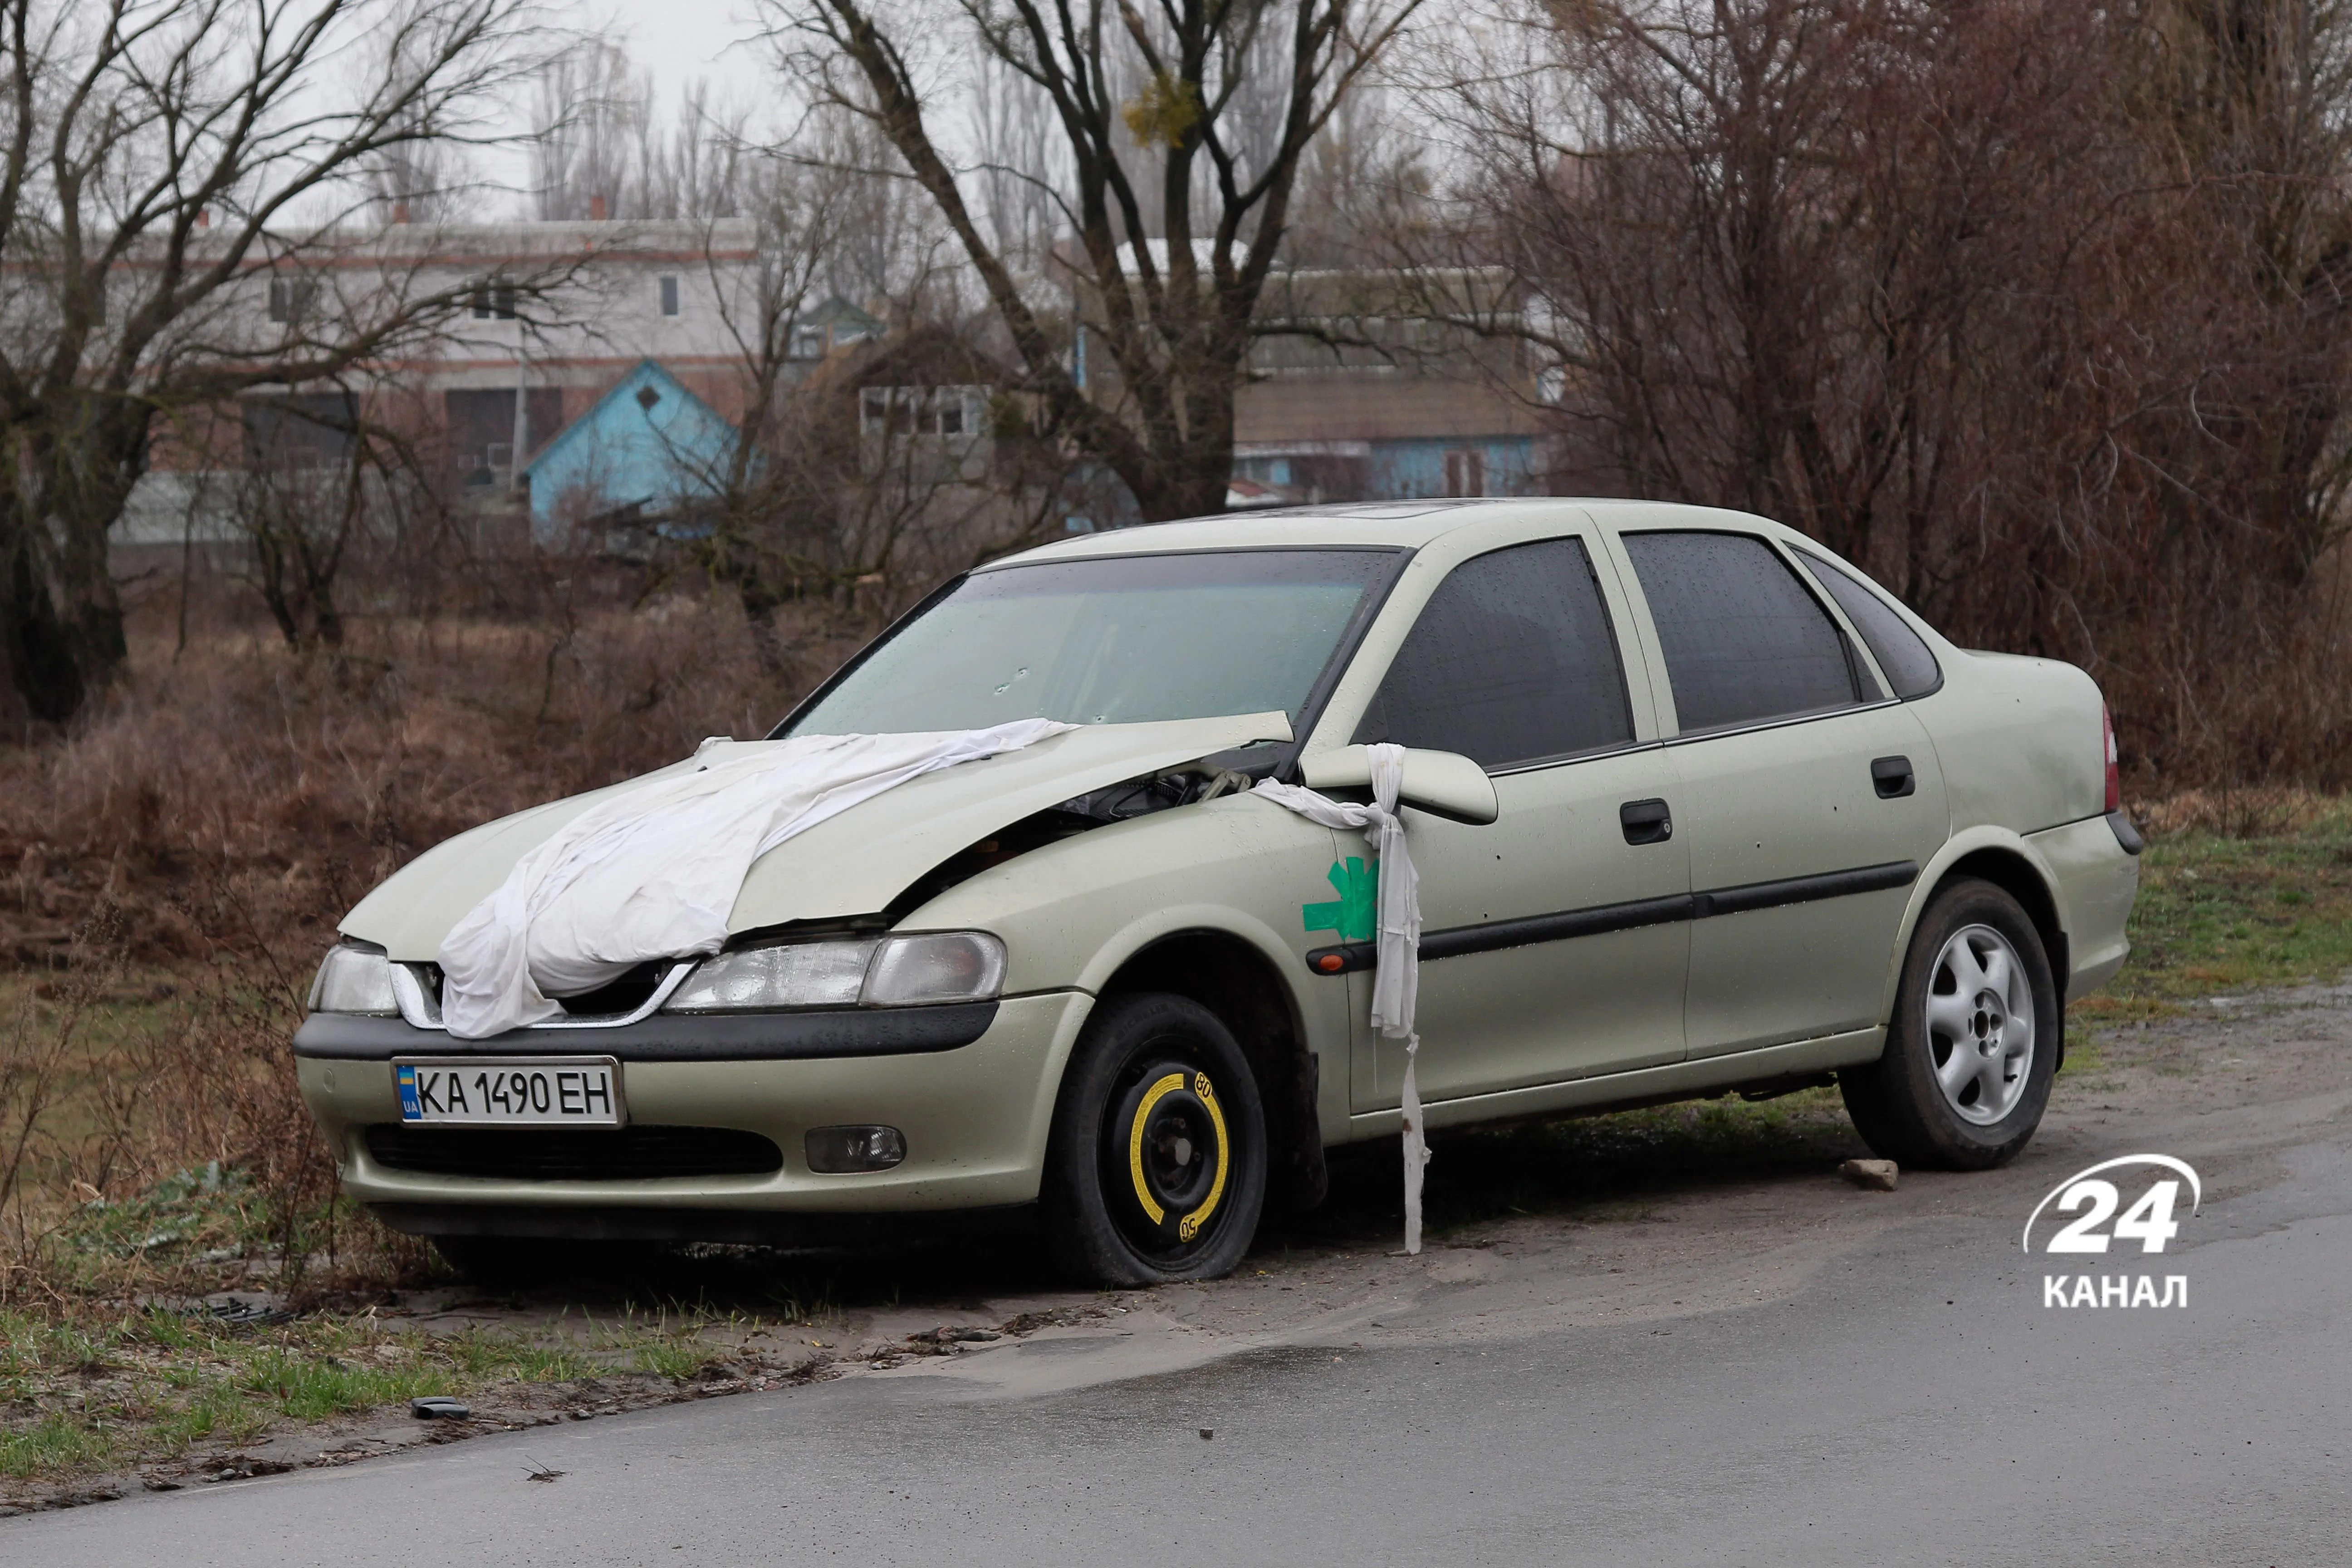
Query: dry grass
2245, 811
240, 795
170, 870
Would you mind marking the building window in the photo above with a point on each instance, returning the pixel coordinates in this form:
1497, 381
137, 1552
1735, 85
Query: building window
1466, 472
292, 300
669, 295
922, 410
487, 425
494, 299
305, 430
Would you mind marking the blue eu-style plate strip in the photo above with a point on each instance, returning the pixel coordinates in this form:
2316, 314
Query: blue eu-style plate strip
409, 1109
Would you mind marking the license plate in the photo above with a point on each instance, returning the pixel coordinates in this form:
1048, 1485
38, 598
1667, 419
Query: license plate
490, 1092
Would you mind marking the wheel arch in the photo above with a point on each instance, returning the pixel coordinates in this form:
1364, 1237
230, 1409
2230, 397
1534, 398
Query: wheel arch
1237, 981
2012, 864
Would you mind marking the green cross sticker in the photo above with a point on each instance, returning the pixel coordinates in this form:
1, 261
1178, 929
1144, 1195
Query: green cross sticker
1353, 915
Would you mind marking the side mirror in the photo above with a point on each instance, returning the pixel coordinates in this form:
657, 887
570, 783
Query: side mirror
1445, 783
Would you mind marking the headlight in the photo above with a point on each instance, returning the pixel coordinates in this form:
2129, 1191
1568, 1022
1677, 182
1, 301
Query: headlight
758, 979
887, 972
354, 980
953, 966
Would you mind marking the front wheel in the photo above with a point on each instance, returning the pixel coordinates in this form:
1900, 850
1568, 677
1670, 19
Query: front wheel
1156, 1172
1973, 1043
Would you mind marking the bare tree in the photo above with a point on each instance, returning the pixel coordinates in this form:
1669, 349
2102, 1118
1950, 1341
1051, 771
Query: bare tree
1019, 175
331, 478
815, 497
598, 147
2036, 310
1368, 187
1226, 98
426, 178
163, 166
701, 172
592, 123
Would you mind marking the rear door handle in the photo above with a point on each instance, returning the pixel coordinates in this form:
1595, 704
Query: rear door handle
1645, 821
1892, 777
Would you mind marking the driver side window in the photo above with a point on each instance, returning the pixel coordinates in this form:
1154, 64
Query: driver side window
1512, 661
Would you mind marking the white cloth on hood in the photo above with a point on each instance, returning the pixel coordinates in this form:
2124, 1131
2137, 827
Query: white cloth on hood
654, 871
1396, 960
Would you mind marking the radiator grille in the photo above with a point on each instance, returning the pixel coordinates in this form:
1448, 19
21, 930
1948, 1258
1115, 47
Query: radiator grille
573, 1154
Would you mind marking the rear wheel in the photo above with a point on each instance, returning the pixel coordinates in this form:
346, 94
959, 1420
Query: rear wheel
1973, 1043
1156, 1168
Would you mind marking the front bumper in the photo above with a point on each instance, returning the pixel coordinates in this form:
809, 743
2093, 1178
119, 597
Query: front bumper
976, 1116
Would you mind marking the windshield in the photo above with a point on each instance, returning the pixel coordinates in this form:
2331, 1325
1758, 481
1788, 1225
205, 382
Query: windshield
1117, 640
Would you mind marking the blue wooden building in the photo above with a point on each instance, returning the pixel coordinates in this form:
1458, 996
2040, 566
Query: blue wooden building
648, 448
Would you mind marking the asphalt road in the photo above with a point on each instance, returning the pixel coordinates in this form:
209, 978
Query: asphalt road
1903, 1395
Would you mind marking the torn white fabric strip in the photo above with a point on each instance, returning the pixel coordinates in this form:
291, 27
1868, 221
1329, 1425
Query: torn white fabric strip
1396, 958
654, 872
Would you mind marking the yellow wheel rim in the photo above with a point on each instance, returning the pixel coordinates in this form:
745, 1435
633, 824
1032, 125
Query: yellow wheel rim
1151, 1097
1190, 1226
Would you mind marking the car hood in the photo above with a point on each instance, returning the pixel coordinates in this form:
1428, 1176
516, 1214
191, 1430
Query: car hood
852, 864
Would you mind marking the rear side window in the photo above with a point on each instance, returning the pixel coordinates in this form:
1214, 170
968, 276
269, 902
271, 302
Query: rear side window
1513, 660
1901, 652
1744, 641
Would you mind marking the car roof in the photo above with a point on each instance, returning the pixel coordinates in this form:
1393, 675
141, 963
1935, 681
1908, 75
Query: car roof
1399, 524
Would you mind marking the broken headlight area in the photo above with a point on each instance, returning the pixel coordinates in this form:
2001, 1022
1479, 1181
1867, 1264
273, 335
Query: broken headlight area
355, 977
868, 971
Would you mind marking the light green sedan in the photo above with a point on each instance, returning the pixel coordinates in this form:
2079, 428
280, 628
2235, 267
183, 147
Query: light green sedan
1694, 807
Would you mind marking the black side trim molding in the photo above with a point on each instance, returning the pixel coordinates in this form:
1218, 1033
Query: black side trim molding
1499, 934
1527, 930
1806, 890
2125, 834
671, 1037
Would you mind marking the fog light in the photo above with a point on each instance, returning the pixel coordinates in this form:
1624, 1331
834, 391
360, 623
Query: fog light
841, 1151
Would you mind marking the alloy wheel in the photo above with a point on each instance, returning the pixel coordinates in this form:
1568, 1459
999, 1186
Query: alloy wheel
1981, 1010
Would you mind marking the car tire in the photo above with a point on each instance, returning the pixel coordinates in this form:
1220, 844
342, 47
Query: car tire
1156, 1169
1960, 1085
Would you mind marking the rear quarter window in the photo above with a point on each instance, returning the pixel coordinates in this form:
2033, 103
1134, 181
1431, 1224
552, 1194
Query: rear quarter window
1910, 665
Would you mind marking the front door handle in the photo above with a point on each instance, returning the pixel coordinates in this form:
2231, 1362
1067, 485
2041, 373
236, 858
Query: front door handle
1647, 821
1892, 777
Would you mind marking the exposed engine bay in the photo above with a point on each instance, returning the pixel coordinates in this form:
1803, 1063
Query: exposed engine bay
1226, 773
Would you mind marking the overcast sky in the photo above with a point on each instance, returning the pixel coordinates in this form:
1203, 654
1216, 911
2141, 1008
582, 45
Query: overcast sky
683, 39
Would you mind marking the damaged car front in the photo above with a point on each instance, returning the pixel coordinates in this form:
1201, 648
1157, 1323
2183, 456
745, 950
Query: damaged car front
887, 1027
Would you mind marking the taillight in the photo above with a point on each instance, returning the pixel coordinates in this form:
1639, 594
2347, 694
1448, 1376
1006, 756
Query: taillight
2115, 773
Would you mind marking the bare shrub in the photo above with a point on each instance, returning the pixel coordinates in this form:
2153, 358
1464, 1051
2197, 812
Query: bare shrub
2244, 811
170, 869
34, 1057
2036, 310
245, 794
169, 1153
